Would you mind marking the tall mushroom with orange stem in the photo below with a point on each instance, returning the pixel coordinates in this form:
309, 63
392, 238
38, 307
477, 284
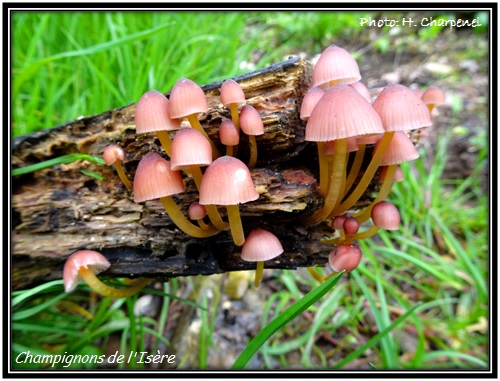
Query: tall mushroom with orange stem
251, 124
260, 246
152, 115
155, 179
86, 264
115, 154
341, 113
187, 100
227, 181
190, 151
400, 109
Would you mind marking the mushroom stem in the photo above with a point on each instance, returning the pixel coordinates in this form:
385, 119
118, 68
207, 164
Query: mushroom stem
103, 289
337, 182
212, 211
366, 234
195, 123
233, 214
356, 165
367, 176
258, 273
121, 174
384, 191
315, 274
253, 151
165, 140
182, 222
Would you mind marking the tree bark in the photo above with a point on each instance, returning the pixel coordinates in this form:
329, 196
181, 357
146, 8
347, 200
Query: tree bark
59, 210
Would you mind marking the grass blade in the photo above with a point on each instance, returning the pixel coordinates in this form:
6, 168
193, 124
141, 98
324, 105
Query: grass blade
65, 159
289, 314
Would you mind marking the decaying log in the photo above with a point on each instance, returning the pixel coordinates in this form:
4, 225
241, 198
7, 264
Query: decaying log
59, 210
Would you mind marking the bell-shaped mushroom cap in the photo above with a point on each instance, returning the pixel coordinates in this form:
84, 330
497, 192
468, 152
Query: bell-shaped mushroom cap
152, 113
400, 150
231, 92
341, 113
187, 98
228, 133
112, 153
335, 64
311, 98
345, 257
401, 109
433, 95
82, 258
386, 216
261, 245
154, 178
250, 121
227, 181
190, 147
362, 89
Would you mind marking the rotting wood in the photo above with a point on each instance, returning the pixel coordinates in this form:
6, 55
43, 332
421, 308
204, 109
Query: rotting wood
59, 210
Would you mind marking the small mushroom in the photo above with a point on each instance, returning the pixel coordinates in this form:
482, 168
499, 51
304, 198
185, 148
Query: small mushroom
345, 257
251, 124
86, 265
260, 246
114, 154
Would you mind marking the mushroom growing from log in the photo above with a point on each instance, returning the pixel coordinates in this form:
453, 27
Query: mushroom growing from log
86, 264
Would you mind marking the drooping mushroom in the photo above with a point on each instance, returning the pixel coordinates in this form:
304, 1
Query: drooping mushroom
114, 154
345, 258
86, 264
227, 181
152, 115
155, 179
260, 246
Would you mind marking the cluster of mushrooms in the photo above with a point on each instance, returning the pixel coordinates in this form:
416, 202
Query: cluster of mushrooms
340, 117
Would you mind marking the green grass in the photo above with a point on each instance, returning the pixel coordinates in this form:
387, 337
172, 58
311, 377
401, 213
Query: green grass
427, 281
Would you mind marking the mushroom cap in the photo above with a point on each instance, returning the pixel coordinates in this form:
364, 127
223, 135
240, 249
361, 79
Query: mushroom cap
152, 113
227, 181
362, 89
196, 211
231, 92
311, 98
261, 245
154, 178
433, 95
341, 113
82, 258
401, 109
190, 147
335, 64
187, 98
345, 257
400, 150
250, 121
386, 216
228, 133
112, 153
